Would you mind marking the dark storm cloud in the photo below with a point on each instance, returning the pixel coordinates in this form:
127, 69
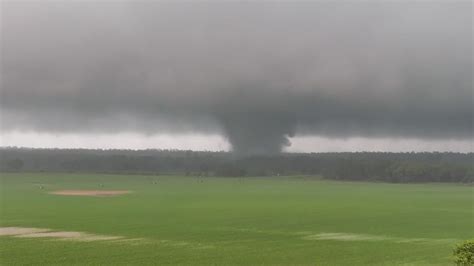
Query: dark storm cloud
256, 71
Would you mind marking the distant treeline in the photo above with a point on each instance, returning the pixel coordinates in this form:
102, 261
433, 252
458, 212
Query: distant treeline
368, 166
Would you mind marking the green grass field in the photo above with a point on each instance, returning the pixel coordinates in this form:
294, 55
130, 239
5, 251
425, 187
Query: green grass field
228, 221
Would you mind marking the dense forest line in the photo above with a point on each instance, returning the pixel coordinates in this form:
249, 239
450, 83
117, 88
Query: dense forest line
368, 166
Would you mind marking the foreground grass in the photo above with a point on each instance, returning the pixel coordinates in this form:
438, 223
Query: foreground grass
222, 221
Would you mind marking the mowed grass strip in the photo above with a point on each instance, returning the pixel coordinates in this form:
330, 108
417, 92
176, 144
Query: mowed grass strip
250, 221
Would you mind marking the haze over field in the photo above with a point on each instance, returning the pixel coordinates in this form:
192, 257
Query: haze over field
254, 73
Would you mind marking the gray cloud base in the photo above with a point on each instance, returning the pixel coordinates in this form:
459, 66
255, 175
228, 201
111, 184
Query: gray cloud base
257, 72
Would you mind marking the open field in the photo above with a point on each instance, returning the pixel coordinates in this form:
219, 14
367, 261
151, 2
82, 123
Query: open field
222, 221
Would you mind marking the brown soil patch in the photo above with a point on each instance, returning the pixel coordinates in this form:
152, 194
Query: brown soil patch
54, 234
91, 193
11, 231
79, 236
50, 234
24, 232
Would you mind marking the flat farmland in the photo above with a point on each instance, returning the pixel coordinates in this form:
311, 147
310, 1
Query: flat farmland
98, 219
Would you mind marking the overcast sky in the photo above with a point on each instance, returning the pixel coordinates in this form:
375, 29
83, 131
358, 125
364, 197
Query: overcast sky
255, 77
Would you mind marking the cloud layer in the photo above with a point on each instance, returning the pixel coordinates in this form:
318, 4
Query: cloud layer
257, 72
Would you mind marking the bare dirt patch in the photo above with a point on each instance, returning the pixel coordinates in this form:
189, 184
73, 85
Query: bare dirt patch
11, 231
79, 236
50, 234
91, 193
54, 234
346, 237
366, 237
25, 232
